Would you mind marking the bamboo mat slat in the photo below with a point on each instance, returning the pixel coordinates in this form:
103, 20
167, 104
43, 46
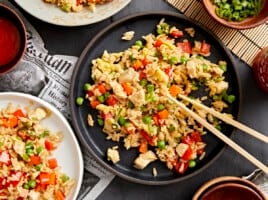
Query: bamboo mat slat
243, 43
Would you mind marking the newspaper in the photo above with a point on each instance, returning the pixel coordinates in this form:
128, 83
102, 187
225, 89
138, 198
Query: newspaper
48, 77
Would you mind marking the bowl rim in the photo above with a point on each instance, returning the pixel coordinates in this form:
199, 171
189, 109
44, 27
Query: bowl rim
23, 35
234, 25
223, 180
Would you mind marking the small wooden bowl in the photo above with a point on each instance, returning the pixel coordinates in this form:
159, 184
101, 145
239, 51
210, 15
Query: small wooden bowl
249, 22
12, 39
229, 187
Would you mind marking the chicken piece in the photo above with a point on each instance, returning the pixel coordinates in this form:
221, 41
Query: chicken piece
118, 90
130, 75
144, 159
19, 147
138, 98
181, 149
33, 195
38, 114
217, 87
90, 120
113, 155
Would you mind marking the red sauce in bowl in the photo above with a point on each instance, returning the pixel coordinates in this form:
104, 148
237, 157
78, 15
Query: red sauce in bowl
9, 41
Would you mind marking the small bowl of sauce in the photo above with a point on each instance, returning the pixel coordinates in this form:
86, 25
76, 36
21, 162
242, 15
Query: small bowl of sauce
12, 39
229, 188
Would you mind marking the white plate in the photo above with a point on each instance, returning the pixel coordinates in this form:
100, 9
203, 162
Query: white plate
68, 153
52, 14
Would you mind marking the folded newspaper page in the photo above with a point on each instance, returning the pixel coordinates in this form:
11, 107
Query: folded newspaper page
48, 77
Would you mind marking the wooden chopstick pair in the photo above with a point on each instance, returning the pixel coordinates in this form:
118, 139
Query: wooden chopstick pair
219, 134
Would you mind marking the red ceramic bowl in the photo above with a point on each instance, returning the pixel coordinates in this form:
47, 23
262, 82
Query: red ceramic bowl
229, 188
250, 22
12, 39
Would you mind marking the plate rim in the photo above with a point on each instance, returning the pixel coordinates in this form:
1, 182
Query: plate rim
54, 110
29, 11
72, 98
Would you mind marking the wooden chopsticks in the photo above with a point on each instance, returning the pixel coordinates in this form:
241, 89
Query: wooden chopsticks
219, 134
228, 120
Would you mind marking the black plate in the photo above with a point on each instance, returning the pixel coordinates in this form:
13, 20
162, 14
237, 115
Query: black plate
94, 139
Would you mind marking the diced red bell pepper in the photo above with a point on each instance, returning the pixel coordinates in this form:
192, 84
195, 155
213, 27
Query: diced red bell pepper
185, 46
111, 100
52, 163
147, 137
49, 145
106, 116
19, 113
158, 43
168, 72
180, 167
187, 140
145, 62
176, 33
142, 75
35, 160
188, 154
15, 177
5, 157
205, 48
195, 136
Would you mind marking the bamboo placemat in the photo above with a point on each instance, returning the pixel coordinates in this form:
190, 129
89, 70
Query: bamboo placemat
243, 43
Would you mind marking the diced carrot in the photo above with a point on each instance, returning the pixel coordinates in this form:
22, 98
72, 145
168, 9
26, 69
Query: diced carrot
22, 134
35, 160
174, 90
10, 122
158, 43
52, 179
127, 88
59, 195
19, 113
94, 103
44, 178
143, 147
49, 145
137, 64
163, 114
101, 88
52, 163
156, 120
111, 100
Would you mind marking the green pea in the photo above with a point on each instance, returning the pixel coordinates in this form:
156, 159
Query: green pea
130, 104
171, 128
39, 150
122, 121
38, 167
150, 87
87, 86
79, 101
161, 144
100, 121
29, 152
64, 178
25, 157
26, 186
223, 67
143, 82
160, 107
32, 183
218, 126
139, 43
101, 98
184, 59
147, 119
192, 163
172, 60
29, 145
230, 98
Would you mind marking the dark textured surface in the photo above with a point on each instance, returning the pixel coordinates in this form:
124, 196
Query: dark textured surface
253, 112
